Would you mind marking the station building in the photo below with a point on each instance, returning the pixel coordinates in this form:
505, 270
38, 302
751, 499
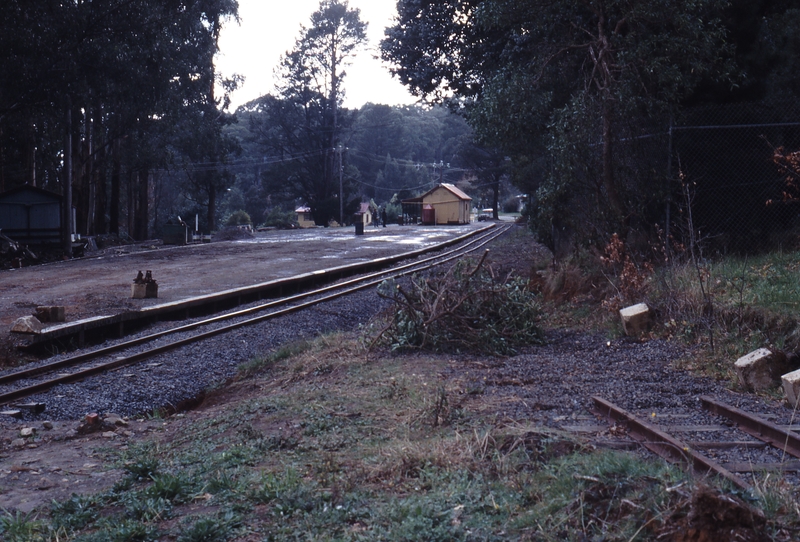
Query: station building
445, 204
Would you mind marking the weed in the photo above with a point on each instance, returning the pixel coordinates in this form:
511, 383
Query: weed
128, 530
209, 529
223, 481
169, 487
287, 493
631, 278
75, 513
143, 507
140, 462
777, 497
603, 494
237, 455
384, 457
19, 527
754, 305
436, 410
446, 505
393, 390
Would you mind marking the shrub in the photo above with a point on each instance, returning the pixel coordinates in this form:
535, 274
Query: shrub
463, 310
239, 218
511, 205
278, 218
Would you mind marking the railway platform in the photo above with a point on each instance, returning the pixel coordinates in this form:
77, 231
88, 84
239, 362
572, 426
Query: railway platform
99, 285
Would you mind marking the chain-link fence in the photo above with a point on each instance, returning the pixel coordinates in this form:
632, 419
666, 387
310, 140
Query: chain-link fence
724, 158
714, 171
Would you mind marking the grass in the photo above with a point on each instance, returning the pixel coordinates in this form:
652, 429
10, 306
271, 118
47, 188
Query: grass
744, 304
729, 306
374, 447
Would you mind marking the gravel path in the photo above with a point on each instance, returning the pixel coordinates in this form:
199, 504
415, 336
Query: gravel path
553, 385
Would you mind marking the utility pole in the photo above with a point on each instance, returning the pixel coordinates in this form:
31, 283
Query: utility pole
440, 166
341, 190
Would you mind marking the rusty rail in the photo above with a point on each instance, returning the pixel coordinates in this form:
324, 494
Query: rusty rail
663, 444
759, 428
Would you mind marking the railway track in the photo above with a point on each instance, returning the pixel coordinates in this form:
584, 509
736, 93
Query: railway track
697, 447
83, 365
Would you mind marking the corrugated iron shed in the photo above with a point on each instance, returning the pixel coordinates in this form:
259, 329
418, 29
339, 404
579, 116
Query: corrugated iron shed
31, 215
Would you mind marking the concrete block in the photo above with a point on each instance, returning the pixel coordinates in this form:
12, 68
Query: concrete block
51, 314
145, 290
791, 387
635, 319
761, 369
27, 324
114, 419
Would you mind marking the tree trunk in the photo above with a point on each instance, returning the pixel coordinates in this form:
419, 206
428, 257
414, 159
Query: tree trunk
67, 218
116, 172
142, 217
31, 155
2, 164
496, 198
132, 201
99, 180
334, 96
212, 206
609, 183
90, 177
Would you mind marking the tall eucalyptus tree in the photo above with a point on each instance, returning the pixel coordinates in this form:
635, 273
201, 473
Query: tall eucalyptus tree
106, 75
310, 114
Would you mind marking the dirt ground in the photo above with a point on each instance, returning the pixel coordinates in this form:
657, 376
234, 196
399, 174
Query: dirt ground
100, 283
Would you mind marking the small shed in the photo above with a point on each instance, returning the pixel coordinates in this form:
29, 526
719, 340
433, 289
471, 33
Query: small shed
365, 214
445, 204
304, 218
31, 215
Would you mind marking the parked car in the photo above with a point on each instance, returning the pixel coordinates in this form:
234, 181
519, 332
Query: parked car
486, 214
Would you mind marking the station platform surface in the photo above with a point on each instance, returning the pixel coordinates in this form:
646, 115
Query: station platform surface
100, 284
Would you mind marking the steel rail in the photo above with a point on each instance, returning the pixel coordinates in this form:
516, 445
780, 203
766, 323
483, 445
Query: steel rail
786, 441
365, 282
663, 444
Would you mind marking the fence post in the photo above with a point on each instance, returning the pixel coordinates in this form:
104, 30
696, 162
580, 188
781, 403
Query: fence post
668, 203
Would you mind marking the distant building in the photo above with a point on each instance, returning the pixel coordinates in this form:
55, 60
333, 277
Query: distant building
31, 216
445, 204
304, 218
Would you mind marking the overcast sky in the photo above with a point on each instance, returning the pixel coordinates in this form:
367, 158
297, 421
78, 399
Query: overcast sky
268, 29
